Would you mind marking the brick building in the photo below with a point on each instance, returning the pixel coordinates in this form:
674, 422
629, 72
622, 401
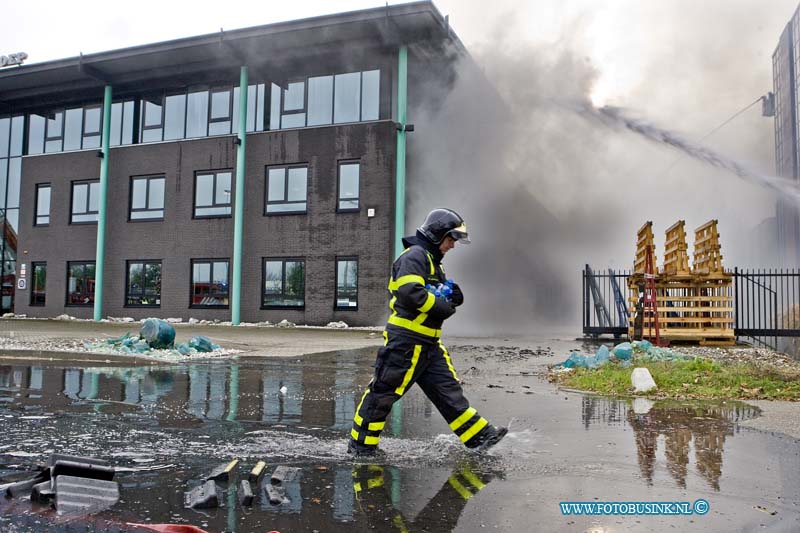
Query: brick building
148, 225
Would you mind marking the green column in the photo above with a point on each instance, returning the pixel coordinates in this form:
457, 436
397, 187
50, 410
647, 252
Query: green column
400, 173
400, 191
238, 214
101, 215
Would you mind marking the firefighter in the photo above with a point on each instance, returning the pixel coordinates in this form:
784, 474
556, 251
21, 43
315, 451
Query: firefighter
412, 352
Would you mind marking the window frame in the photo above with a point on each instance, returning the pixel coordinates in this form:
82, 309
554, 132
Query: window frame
215, 173
69, 269
88, 202
36, 215
336, 306
285, 200
283, 261
97, 134
304, 110
147, 198
144, 263
32, 302
339, 208
60, 136
144, 100
228, 118
211, 262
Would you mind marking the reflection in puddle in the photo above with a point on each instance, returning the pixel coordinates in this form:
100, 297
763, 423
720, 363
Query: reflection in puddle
685, 427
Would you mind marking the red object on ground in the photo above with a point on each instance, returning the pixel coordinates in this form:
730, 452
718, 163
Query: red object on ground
170, 528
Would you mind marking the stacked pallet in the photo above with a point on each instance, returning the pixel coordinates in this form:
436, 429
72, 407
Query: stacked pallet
694, 304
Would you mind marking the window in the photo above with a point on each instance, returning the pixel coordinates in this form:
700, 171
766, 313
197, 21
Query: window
293, 114
219, 122
147, 198
348, 186
73, 125
152, 119
174, 116
42, 204
92, 125
55, 132
284, 283
320, 100
212, 194
143, 284
347, 97
287, 189
80, 283
346, 283
209, 283
85, 202
36, 127
197, 114
39, 283
121, 123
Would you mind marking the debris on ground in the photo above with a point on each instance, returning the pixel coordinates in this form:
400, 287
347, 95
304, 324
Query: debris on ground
642, 380
625, 353
337, 325
158, 333
205, 496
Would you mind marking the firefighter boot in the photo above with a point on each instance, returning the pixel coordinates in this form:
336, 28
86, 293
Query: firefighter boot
488, 437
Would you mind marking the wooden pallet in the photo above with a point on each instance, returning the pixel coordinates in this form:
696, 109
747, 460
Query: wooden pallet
707, 258
676, 259
644, 238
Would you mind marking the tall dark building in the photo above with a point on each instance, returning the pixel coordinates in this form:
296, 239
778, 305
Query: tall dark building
318, 158
785, 71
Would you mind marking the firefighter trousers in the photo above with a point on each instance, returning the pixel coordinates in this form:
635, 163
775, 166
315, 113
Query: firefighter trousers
400, 363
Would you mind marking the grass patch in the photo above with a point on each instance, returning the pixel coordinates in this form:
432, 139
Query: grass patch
694, 379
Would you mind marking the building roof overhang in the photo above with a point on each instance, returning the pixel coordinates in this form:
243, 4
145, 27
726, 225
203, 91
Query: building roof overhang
269, 49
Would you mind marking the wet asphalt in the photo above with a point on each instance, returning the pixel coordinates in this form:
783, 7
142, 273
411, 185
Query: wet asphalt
175, 423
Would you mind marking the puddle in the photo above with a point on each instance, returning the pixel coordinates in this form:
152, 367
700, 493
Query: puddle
169, 426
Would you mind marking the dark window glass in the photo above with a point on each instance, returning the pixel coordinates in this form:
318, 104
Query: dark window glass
219, 122
14, 177
36, 134
38, 283
92, 124
284, 283
348, 186
147, 198
85, 201
143, 285
197, 114
212, 194
275, 108
80, 283
210, 283
320, 100
73, 122
42, 204
370, 94
287, 189
346, 283
347, 97
174, 116
55, 132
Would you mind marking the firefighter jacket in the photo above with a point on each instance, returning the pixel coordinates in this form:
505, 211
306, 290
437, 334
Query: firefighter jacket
415, 312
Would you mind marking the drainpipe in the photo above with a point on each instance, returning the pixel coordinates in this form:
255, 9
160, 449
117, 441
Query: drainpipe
238, 214
101, 215
400, 174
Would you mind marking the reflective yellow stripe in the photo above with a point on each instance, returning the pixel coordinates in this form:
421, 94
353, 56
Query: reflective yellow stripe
428, 303
357, 487
417, 328
376, 426
385, 337
357, 418
470, 476
430, 262
373, 440
461, 489
405, 280
399, 524
422, 317
377, 482
462, 419
448, 361
410, 372
479, 425
354, 433
391, 303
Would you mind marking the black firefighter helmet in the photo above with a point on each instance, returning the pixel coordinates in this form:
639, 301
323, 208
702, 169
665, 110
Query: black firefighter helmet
443, 222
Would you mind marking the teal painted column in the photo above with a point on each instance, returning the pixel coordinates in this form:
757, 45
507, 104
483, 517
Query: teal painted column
400, 191
400, 172
238, 214
101, 215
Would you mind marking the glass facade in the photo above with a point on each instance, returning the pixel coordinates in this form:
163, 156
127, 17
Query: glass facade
11, 148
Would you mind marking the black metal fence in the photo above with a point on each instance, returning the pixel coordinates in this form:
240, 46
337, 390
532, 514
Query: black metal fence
766, 303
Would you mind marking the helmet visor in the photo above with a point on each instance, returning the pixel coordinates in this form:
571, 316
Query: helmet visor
460, 234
